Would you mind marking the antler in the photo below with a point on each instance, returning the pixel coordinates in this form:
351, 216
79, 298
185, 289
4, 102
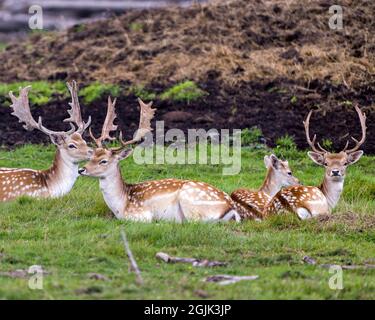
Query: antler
108, 125
306, 123
21, 109
75, 111
362, 119
146, 115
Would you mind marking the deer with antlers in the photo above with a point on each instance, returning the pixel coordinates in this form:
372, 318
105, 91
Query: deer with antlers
309, 202
278, 175
168, 199
71, 149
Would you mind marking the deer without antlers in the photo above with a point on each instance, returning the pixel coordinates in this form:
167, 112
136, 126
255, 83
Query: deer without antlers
278, 175
168, 199
71, 148
309, 202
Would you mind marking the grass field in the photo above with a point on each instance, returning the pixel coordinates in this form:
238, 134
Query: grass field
76, 235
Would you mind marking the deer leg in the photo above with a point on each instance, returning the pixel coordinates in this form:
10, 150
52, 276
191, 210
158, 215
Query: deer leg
231, 215
303, 213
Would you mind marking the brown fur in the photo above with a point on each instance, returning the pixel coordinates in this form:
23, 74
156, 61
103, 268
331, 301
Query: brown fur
254, 201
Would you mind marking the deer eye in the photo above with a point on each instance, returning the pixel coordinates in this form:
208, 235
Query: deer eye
72, 146
325, 164
104, 161
289, 173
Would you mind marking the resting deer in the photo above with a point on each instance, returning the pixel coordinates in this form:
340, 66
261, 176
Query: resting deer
309, 202
71, 148
278, 175
168, 199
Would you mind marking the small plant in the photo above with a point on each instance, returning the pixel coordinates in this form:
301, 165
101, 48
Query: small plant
78, 28
251, 136
286, 143
347, 103
41, 91
136, 26
186, 91
3, 46
327, 144
142, 93
96, 90
293, 100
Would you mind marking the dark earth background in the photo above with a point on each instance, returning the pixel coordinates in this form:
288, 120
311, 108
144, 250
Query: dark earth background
262, 63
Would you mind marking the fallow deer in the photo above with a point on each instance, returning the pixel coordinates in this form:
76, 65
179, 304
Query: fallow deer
168, 199
278, 175
309, 202
71, 149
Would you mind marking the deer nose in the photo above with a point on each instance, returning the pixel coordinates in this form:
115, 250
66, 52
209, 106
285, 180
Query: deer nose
335, 173
82, 170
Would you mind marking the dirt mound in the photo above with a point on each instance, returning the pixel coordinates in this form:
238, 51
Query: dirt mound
263, 63
240, 40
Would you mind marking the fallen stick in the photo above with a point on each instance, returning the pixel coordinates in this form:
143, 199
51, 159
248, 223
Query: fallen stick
309, 260
312, 261
195, 262
224, 279
349, 267
133, 263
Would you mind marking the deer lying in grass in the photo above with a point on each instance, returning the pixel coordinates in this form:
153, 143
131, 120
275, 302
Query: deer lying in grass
168, 199
278, 175
71, 148
309, 202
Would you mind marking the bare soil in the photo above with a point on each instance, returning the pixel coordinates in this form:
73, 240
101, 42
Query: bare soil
263, 63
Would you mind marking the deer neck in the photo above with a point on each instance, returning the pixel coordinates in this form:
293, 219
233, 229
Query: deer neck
62, 175
270, 185
115, 192
332, 191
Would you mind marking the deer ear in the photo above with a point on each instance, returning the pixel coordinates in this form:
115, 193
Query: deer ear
123, 154
267, 161
273, 161
57, 139
355, 156
316, 157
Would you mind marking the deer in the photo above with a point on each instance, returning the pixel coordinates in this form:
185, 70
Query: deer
309, 201
278, 175
168, 199
59, 179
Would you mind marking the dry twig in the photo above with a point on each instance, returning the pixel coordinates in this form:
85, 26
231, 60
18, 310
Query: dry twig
133, 263
195, 262
224, 279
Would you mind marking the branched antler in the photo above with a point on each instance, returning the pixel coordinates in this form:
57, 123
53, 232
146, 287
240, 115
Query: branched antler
362, 119
75, 111
21, 110
311, 143
146, 115
108, 125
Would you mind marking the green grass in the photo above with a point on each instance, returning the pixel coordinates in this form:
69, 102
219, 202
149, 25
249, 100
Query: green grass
75, 235
136, 26
96, 90
3, 46
251, 136
141, 92
40, 94
186, 91
43, 92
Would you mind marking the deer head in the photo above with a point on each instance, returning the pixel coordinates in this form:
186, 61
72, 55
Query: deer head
281, 171
336, 163
70, 142
105, 160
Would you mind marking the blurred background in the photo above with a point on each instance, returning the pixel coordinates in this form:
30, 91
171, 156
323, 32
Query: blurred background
61, 14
